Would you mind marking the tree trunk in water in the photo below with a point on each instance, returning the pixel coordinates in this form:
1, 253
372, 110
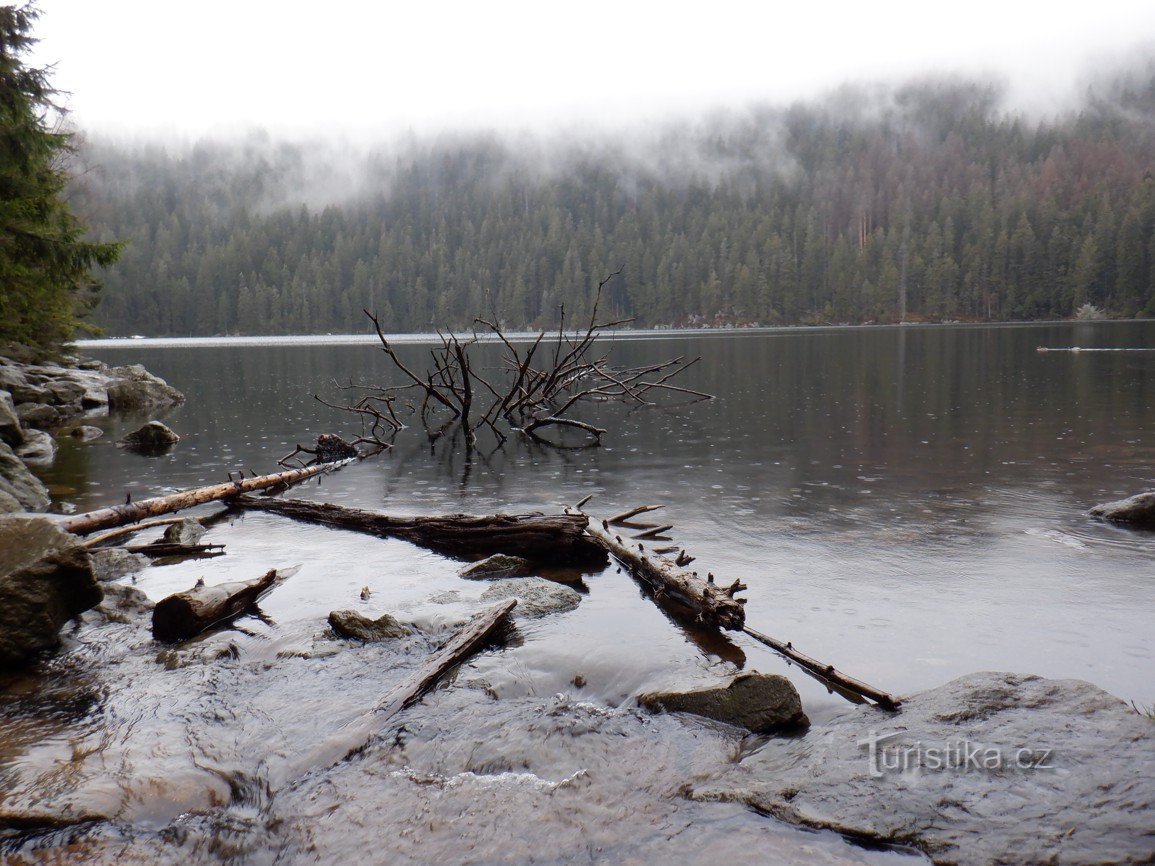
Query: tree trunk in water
356, 735
554, 538
188, 613
130, 512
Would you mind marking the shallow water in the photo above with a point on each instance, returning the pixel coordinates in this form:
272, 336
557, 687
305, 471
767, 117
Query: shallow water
908, 504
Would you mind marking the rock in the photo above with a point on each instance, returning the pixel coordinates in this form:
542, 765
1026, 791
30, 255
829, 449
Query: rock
64, 391
9, 504
349, 623
45, 580
37, 415
757, 702
135, 389
1137, 511
188, 531
19, 483
109, 563
990, 768
123, 603
86, 433
39, 447
153, 436
498, 565
11, 431
536, 596
12, 378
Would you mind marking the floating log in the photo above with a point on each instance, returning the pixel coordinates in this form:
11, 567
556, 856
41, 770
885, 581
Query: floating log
169, 548
356, 735
553, 538
130, 512
709, 604
188, 613
827, 673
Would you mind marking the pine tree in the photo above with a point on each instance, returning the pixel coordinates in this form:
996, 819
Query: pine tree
46, 281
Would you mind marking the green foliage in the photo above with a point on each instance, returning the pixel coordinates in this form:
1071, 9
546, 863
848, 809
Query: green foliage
924, 203
45, 264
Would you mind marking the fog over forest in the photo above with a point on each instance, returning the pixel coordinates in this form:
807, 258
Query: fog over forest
928, 201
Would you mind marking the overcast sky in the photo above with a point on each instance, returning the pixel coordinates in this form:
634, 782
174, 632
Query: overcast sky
197, 66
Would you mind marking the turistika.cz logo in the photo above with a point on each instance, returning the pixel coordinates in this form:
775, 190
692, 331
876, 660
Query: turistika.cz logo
886, 757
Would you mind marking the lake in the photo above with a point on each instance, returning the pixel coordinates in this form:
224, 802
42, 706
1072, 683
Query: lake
907, 503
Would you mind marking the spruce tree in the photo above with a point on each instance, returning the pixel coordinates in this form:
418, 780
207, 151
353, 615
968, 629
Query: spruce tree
46, 282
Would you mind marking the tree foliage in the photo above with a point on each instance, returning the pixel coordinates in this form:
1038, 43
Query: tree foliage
924, 202
45, 262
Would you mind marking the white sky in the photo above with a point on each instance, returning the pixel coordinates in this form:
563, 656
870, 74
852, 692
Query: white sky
196, 66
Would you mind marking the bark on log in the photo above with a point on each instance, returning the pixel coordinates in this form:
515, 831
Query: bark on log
708, 603
130, 512
553, 538
188, 613
356, 735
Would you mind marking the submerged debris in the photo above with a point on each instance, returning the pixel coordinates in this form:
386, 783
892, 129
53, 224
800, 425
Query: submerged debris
349, 623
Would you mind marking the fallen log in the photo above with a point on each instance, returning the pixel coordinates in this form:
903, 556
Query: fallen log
553, 538
98, 540
356, 735
166, 548
186, 614
827, 673
707, 602
130, 512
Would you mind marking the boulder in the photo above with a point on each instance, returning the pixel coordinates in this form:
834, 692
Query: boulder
64, 391
11, 377
536, 596
153, 436
498, 565
757, 702
11, 431
1137, 511
188, 531
989, 768
19, 483
37, 415
39, 447
109, 563
45, 580
86, 433
135, 389
9, 504
349, 623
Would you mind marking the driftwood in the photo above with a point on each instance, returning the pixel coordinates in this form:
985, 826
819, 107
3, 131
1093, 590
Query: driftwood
839, 681
558, 538
188, 613
706, 602
169, 548
121, 531
130, 512
354, 736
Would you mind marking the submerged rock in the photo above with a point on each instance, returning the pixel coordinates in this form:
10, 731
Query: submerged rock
45, 580
536, 596
757, 702
86, 433
110, 563
153, 436
20, 484
349, 623
498, 565
1137, 511
989, 768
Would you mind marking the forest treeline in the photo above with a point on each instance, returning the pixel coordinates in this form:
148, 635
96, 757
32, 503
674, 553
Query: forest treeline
928, 201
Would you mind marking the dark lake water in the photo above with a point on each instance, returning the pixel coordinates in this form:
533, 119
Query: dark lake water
907, 503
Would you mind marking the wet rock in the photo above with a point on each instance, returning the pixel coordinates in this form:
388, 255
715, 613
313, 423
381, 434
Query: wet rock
39, 447
349, 623
9, 504
86, 433
153, 436
135, 389
37, 415
12, 378
757, 702
110, 563
45, 580
19, 483
1137, 511
11, 431
536, 596
123, 603
188, 531
990, 768
498, 565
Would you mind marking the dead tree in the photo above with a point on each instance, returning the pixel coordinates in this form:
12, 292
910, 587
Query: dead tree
534, 389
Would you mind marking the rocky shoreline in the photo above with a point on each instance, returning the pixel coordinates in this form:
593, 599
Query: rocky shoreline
39, 402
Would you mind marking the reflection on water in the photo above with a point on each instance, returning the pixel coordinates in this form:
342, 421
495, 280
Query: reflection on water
908, 503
